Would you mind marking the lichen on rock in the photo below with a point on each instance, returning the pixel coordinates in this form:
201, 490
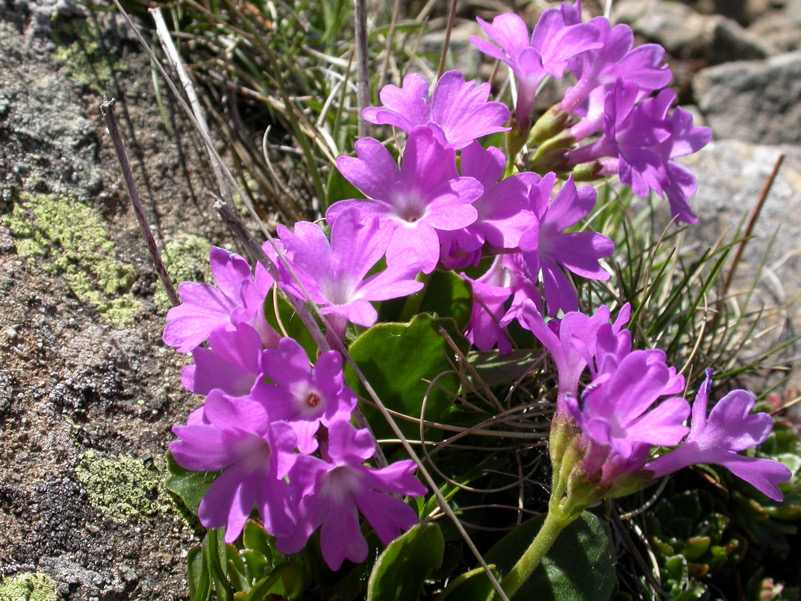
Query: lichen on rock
70, 239
28, 586
124, 488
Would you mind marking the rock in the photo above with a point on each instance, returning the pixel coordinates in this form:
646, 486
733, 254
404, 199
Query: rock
731, 176
783, 32
74, 380
755, 101
711, 38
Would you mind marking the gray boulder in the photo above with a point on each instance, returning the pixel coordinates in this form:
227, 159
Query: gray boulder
713, 39
755, 101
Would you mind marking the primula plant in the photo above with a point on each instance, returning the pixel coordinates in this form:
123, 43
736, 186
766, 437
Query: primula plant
474, 356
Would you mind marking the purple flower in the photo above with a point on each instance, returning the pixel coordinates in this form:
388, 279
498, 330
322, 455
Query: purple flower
617, 414
552, 44
332, 492
546, 248
489, 317
458, 111
503, 215
236, 298
573, 341
718, 438
236, 435
490, 293
600, 67
642, 140
333, 273
303, 396
425, 195
232, 363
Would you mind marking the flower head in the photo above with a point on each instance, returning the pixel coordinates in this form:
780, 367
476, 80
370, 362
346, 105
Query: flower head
619, 414
334, 490
236, 298
334, 273
718, 439
425, 195
642, 139
237, 436
503, 214
301, 395
573, 341
232, 362
554, 41
458, 112
547, 249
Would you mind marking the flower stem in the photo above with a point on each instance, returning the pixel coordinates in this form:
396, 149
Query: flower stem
555, 522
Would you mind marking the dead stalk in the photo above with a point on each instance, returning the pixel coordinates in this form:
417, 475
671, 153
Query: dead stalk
107, 110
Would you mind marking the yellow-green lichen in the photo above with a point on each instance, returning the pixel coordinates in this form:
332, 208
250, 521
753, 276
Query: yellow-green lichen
69, 238
187, 260
124, 488
28, 586
78, 49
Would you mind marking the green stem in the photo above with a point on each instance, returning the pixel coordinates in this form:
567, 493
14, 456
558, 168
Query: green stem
554, 523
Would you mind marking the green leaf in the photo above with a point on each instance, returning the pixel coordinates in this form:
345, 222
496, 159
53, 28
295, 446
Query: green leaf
237, 572
199, 580
401, 569
255, 538
212, 551
256, 566
276, 308
579, 567
265, 586
399, 361
190, 487
470, 586
445, 295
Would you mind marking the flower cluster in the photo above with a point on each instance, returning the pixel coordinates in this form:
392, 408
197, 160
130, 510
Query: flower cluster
268, 411
630, 408
639, 136
277, 424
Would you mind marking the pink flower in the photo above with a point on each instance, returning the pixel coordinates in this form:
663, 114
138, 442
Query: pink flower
503, 214
718, 438
236, 298
554, 41
303, 396
458, 111
618, 411
237, 436
422, 197
573, 341
334, 273
332, 492
546, 248
232, 363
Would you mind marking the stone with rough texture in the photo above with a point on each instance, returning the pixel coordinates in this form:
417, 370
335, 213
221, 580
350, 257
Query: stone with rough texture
731, 176
713, 39
755, 101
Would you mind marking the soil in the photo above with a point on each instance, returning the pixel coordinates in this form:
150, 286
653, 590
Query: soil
88, 392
